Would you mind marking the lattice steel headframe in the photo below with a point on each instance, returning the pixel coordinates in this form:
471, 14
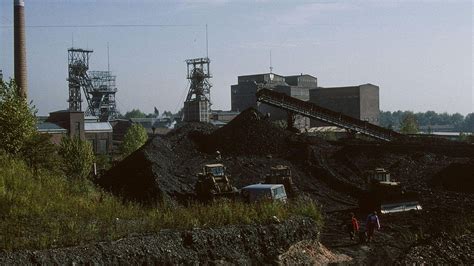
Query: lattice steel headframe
199, 75
102, 97
198, 101
78, 64
98, 86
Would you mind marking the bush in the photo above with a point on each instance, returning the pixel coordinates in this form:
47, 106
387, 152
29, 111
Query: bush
51, 211
77, 157
409, 125
40, 154
17, 118
135, 137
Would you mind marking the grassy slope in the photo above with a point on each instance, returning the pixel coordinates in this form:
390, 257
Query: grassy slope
47, 210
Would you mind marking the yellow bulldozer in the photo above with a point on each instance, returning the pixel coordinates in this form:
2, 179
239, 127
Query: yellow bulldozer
213, 182
385, 195
281, 174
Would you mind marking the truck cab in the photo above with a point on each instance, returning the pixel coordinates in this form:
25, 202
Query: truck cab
259, 192
281, 174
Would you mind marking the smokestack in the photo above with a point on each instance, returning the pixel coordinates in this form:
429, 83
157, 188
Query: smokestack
20, 46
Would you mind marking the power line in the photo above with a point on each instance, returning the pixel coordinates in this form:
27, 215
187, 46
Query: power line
110, 26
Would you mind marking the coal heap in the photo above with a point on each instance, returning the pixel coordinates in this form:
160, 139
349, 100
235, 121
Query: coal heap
456, 177
250, 133
164, 167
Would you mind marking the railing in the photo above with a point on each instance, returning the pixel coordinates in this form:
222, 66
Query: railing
314, 111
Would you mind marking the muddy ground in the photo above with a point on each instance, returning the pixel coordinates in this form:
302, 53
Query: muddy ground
332, 173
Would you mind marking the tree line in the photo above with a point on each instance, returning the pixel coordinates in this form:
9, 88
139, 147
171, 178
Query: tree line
137, 113
457, 121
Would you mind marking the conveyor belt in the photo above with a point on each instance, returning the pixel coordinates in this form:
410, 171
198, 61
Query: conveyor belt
314, 111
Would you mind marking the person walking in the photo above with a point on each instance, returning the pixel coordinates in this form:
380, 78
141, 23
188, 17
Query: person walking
353, 227
372, 223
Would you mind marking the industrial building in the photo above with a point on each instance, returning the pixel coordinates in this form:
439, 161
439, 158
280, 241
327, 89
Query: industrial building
361, 102
66, 123
223, 116
298, 86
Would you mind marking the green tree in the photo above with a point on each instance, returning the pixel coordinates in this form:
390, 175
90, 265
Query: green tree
409, 124
457, 119
386, 119
41, 154
468, 125
17, 118
135, 113
167, 114
77, 157
135, 137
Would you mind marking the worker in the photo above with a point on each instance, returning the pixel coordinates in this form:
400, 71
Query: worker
353, 226
372, 223
218, 156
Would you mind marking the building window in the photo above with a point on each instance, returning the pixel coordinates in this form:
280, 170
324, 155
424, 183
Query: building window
102, 147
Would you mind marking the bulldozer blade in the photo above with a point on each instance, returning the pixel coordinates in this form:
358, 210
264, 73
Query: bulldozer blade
400, 207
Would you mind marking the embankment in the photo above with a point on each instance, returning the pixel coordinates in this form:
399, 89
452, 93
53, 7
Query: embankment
246, 244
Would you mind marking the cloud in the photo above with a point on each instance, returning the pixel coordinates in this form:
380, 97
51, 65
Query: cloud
191, 4
305, 14
287, 43
267, 44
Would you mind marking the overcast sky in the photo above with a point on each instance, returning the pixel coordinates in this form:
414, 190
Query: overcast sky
418, 52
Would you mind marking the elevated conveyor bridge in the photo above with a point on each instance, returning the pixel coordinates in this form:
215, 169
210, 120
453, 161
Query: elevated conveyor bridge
311, 110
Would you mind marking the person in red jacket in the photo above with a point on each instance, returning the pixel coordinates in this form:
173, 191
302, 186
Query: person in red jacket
353, 226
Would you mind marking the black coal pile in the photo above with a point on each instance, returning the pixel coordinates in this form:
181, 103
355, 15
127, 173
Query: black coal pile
442, 250
456, 177
250, 133
165, 167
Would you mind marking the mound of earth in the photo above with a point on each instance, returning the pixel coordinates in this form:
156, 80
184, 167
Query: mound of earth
311, 252
164, 168
244, 244
456, 177
250, 133
442, 250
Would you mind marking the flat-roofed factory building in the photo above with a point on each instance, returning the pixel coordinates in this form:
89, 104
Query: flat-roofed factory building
298, 86
361, 102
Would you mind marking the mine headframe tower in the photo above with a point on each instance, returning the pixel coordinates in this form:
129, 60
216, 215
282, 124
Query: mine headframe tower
78, 64
198, 101
102, 96
98, 86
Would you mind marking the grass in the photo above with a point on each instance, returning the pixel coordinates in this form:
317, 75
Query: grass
48, 210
